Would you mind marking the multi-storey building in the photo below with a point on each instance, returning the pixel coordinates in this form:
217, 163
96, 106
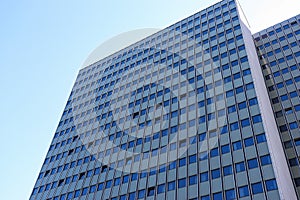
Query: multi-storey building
279, 54
183, 114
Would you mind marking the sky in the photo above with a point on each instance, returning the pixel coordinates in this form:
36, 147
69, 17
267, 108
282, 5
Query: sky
42, 47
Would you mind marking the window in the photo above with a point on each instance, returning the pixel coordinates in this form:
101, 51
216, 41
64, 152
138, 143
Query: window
171, 186
245, 122
240, 167
257, 188
293, 125
84, 191
248, 142
215, 173
217, 196
204, 177
234, 126
192, 159
117, 181
252, 163
108, 184
203, 156
253, 101
182, 162
293, 162
243, 191
237, 145
224, 129
141, 194
193, 180
225, 149
230, 194
271, 185
227, 170
242, 105
151, 191
229, 93
100, 186
182, 183
161, 188
297, 142
231, 109
214, 152
202, 137
265, 160
205, 197
261, 138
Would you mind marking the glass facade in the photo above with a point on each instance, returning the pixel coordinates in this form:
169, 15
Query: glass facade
279, 54
176, 115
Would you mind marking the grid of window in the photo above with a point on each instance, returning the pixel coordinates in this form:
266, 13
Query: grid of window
112, 100
279, 53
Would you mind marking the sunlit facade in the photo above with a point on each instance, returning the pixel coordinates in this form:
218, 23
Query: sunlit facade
186, 113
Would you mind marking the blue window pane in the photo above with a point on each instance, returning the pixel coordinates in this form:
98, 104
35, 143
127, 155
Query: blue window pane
161, 188
242, 105
234, 126
204, 177
100, 186
215, 173
240, 167
297, 142
108, 184
265, 160
192, 159
182, 162
229, 93
253, 101
230, 194
84, 191
125, 179
225, 149
252, 163
117, 181
214, 152
245, 122
134, 176
205, 197
77, 193
141, 194
249, 86
171, 186
62, 197
227, 170
271, 185
257, 188
224, 130
248, 142
181, 183
231, 109
243, 191
217, 196
293, 125
261, 138
193, 180
202, 137
203, 156
256, 119
237, 145
151, 191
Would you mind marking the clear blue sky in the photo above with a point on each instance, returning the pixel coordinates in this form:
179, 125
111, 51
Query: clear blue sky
42, 46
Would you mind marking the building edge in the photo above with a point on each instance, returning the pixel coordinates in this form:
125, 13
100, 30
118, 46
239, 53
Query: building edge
281, 169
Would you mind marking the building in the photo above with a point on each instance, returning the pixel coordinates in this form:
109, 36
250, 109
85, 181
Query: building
194, 111
279, 54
